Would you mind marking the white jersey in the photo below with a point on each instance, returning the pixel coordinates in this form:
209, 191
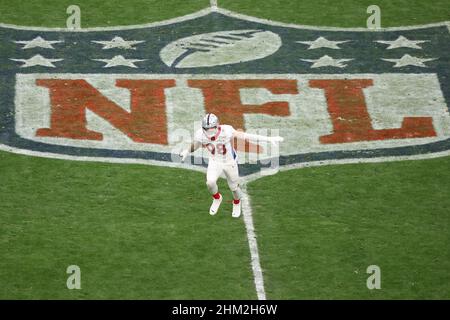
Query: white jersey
220, 147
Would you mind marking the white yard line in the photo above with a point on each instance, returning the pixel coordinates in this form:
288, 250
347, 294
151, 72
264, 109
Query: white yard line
213, 4
252, 243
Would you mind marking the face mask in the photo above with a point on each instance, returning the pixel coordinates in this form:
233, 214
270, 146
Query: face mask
210, 132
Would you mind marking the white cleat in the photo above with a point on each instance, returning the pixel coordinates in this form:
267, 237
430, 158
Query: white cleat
236, 210
215, 206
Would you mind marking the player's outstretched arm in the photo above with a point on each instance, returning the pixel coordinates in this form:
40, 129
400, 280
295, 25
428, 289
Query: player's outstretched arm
256, 137
194, 146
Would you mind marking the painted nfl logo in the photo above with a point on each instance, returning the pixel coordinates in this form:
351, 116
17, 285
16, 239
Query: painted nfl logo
121, 94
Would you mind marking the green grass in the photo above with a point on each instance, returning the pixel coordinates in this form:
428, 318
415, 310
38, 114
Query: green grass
94, 13
328, 224
136, 232
344, 13
144, 232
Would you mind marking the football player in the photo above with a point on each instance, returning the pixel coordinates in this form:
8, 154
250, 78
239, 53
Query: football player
218, 140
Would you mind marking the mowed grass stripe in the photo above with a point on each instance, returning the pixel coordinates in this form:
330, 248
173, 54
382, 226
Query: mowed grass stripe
137, 232
320, 228
95, 13
345, 13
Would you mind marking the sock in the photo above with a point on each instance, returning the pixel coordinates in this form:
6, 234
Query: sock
216, 196
236, 201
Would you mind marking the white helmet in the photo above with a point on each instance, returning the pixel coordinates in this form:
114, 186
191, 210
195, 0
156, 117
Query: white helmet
210, 121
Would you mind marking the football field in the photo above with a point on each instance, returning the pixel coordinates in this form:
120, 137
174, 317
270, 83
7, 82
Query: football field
143, 231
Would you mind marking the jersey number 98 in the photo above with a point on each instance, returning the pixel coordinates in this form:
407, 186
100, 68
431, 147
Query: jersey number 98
221, 149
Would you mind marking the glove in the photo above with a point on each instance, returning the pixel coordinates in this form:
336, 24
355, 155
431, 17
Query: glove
183, 155
276, 139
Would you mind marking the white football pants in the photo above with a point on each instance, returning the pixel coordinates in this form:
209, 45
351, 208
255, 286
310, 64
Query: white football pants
231, 172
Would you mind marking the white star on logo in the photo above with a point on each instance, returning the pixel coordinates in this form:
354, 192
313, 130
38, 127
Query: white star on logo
37, 60
119, 61
118, 42
403, 42
327, 61
408, 60
38, 42
321, 42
